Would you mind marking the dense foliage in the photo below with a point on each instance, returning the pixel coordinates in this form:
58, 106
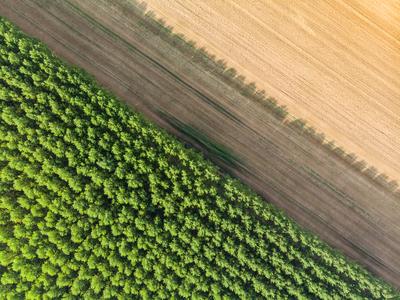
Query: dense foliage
98, 203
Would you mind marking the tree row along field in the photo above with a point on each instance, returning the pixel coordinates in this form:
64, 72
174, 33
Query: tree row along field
98, 202
323, 194
334, 63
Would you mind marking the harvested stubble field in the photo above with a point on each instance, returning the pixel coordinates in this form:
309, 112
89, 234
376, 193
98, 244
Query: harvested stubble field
317, 189
334, 63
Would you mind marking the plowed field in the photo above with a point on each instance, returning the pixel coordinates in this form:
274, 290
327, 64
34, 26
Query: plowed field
334, 63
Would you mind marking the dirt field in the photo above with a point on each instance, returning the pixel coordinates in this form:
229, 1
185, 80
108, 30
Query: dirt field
334, 63
319, 191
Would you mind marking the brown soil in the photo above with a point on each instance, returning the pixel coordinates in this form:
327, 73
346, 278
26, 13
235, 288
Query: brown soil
334, 63
317, 189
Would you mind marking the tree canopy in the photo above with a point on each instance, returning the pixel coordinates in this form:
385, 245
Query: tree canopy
96, 202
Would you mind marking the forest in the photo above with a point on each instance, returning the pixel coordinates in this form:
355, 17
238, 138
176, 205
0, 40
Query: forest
97, 202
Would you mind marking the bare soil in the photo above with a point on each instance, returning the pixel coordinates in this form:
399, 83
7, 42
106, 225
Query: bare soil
314, 187
335, 63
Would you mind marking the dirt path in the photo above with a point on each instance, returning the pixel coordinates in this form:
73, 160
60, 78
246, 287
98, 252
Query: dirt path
315, 188
334, 63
